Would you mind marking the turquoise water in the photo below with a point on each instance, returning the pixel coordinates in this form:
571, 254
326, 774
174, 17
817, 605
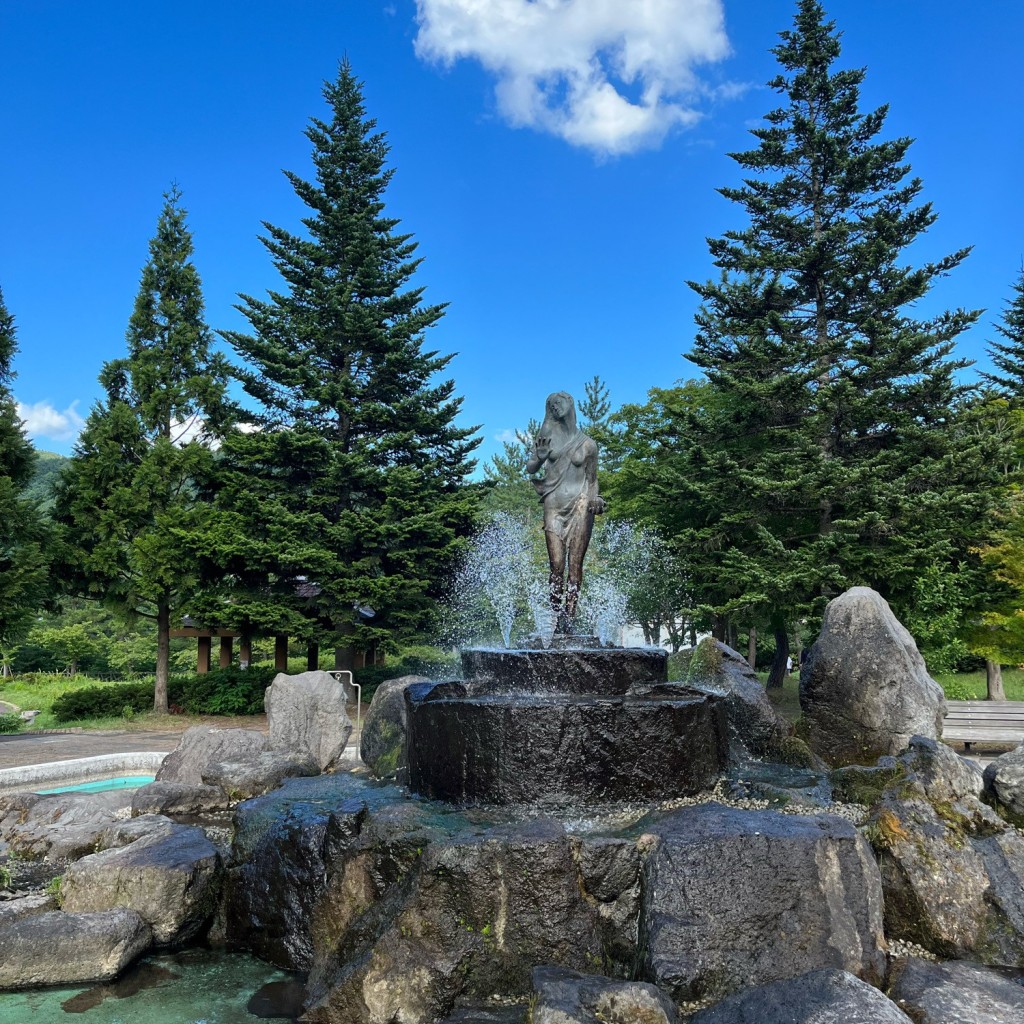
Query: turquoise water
191, 987
102, 785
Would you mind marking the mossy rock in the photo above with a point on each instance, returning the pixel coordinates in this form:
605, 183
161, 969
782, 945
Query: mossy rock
793, 751
705, 662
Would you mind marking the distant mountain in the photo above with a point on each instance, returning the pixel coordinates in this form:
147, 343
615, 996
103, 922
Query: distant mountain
48, 467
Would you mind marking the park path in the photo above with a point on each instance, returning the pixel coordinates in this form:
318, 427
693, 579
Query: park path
24, 748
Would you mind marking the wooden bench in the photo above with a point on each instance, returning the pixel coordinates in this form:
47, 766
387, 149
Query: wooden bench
984, 721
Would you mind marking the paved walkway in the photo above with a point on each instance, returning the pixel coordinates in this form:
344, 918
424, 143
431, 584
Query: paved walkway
26, 748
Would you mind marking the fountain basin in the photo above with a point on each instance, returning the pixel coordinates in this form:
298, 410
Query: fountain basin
608, 671
561, 749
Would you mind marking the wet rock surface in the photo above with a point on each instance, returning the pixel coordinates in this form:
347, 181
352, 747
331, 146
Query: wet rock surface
733, 898
170, 878
605, 671
525, 748
958, 992
864, 688
819, 997
307, 713
202, 746
754, 725
382, 743
58, 948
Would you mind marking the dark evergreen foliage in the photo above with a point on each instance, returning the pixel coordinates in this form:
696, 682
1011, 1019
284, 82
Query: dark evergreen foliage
1008, 354
23, 534
823, 451
352, 489
131, 495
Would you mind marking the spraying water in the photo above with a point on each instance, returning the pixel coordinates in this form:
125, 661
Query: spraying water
503, 582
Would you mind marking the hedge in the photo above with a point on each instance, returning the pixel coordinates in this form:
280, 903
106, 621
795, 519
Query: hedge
227, 691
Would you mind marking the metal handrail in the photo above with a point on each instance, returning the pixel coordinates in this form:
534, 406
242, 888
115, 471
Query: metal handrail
336, 672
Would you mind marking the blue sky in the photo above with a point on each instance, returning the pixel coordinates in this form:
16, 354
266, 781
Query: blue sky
560, 225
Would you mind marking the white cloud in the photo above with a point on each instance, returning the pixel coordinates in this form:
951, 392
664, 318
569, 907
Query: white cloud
43, 420
613, 76
506, 436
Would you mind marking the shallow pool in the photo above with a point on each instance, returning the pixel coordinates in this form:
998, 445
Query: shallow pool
190, 987
102, 785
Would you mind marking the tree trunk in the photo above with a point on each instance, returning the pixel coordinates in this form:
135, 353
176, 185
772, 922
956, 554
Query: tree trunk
994, 680
718, 626
163, 656
778, 670
752, 647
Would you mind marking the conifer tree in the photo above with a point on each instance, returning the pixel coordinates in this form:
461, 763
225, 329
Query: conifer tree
828, 452
23, 537
132, 493
1008, 355
356, 475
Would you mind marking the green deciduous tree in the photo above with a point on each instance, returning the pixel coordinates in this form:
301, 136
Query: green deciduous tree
353, 489
132, 493
23, 536
826, 445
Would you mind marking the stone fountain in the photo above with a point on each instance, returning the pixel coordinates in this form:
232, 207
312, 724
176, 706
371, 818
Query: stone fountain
569, 719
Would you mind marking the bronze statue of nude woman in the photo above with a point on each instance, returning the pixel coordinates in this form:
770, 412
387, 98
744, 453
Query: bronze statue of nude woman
568, 491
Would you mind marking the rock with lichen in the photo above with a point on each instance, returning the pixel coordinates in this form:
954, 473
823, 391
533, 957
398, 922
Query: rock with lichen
864, 688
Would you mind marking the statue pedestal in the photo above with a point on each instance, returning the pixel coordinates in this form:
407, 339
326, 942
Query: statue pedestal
563, 727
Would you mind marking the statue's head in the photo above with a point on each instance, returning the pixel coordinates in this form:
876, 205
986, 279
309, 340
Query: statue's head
560, 406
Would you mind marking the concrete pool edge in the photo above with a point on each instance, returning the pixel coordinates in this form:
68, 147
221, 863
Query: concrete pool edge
28, 778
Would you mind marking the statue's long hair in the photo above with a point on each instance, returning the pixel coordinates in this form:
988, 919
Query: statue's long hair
561, 431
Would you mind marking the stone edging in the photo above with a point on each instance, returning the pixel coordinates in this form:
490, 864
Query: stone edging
80, 769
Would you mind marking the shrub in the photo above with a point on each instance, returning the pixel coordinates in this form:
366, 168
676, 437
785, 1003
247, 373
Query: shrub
224, 691
107, 701
957, 689
10, 723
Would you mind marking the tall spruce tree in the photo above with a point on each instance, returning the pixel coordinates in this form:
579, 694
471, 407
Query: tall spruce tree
1008, 355
23, 536
831, 423
352, 491
132, 493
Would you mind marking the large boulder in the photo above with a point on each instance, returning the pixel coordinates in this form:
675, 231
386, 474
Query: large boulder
1004, 785
56, 826
567, 997
177, 798
475, 913
382, 743
306, 713
958, 992
952, 870
735, 898
864, 688
754, 725
242, 780
171, 879
820, 997
24, 906
58, 948
202, 746
287, 846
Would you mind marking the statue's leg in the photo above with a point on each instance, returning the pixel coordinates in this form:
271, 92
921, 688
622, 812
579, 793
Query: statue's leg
578, 545
556, 577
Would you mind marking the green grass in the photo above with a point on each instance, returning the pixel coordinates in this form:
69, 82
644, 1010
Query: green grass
974, 683
38, 691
